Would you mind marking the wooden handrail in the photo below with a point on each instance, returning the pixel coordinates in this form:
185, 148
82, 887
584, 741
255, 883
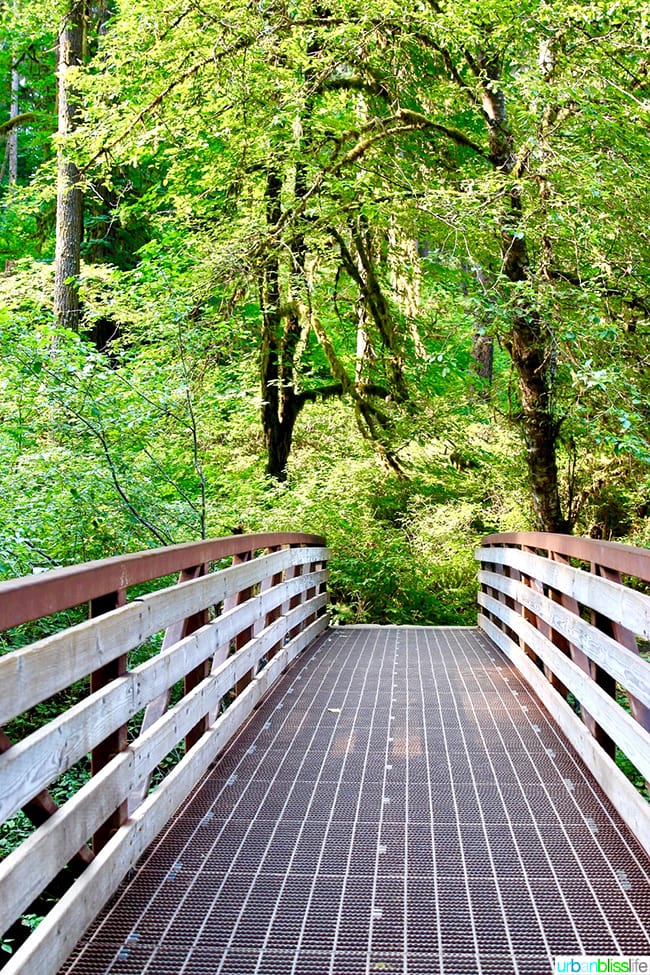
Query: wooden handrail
626, 559
33, 597
572, 629
228, 633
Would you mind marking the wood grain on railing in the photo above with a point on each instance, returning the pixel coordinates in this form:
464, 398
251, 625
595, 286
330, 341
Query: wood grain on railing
214, 646
33, 597
558, 607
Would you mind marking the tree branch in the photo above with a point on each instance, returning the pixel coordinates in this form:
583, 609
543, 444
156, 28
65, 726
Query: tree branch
13, 123
195, 434
355, 84
322, 393
101, 436
379, 129
336, 389
422, 122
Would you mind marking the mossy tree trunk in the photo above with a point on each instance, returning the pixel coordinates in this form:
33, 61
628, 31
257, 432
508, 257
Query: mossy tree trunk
69, 202
527, 340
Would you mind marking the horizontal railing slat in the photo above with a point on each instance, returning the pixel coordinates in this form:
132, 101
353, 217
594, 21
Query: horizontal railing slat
29, 766
633, 740
619, 603
56, 936
631, 672
35, 673
627, 800
54, 843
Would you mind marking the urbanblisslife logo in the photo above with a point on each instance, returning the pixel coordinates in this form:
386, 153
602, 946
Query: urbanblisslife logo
601, 963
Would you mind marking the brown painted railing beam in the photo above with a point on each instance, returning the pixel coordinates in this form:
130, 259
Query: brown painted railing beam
33, 597
626, 559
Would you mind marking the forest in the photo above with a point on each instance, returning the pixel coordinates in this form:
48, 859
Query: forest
376, 272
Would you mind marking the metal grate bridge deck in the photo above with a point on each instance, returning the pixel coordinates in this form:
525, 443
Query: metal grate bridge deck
399, 803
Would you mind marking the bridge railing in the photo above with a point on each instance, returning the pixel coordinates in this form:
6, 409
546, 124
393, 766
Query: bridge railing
568, 611
220, 635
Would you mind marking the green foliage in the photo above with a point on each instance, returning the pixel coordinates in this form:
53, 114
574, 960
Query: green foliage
12, 833
377, 115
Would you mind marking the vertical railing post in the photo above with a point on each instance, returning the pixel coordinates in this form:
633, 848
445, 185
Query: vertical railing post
580, 658
310, 593
322, 588
507, 572
246, 634
625, 637
199, 673
276, 612
499, 570
116, 742
556, 638
544, 628
529, 616
156, 708
296, 599
604, 624
488, 566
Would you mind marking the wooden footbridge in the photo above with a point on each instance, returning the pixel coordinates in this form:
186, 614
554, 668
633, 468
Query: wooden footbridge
257, 793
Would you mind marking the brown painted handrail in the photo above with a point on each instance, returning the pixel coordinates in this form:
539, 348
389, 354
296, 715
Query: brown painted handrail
32, 597
626, 559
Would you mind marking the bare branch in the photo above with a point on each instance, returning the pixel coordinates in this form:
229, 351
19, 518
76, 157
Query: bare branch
118, 487
195, 434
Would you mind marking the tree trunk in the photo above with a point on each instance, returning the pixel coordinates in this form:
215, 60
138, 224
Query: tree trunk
358, 262
279, 340
540, 429
528, 348
482, 363
483, 360
281, 404
69, 203
279, 438
527, 342
12, 140
378, 307
406, 280
282, 326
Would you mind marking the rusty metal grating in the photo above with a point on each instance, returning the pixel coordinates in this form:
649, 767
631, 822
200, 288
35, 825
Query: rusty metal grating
400, 803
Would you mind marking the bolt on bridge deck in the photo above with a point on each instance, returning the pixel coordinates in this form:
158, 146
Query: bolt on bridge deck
400, 802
